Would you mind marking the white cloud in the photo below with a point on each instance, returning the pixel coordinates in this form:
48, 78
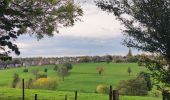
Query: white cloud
96, 24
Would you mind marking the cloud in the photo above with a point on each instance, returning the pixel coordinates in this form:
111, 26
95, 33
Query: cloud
96, 24
98, 34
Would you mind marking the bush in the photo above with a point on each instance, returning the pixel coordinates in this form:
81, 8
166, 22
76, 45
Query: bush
25, 70
147, 78
45, 83
41, 75
45, 70
102, 89
155, 93
15, 81
118, 61
135, 87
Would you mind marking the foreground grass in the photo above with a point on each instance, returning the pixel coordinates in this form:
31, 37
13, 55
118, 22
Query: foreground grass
15, 94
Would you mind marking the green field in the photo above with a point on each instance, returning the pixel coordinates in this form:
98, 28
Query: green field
83, 78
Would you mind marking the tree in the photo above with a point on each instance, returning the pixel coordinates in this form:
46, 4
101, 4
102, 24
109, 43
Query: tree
135, 87
100, 70
147, 78
33, 17
16, 80
68, 66
55, 68
108, 58
63, 72
147, 28
129, 53
129, 70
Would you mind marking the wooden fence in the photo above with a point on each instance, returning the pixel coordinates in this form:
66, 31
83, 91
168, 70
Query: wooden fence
113, 94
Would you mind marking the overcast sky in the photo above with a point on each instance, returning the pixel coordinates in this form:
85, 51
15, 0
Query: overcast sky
98, 34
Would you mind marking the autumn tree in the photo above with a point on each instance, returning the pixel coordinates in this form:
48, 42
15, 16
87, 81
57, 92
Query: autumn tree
100, 70
34, 17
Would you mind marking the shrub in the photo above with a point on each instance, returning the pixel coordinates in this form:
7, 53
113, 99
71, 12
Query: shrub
155, 93
25, 70
118, 61
45, 83
102, 89
41, 75
45, 70
147, 78
15, 81
135, 87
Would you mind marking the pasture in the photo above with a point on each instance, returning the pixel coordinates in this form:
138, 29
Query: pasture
83, 78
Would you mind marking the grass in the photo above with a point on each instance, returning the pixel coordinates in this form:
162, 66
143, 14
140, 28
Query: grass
83, 78
15, 94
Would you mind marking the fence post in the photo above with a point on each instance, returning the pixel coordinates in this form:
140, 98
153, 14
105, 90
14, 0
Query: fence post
35, 96
65, 97
23, 94
110, 93
75, 95
115, 95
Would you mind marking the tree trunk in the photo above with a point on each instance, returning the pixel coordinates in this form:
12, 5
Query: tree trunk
163, 95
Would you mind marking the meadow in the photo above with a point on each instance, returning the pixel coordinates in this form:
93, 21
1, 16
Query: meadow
83, 78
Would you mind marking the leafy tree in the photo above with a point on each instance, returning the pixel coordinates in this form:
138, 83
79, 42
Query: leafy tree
135, 87
15, 81
63, 72
38, 17
55, 68
147, 28
129, 70
147, 78
68, 66
108, 58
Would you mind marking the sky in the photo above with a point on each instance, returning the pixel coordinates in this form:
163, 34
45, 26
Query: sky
99, 33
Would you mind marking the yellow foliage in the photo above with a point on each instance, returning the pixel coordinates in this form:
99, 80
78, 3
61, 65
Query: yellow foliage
101, 89
45, 83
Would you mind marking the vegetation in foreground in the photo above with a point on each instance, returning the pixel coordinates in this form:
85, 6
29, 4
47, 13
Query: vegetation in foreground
15, 94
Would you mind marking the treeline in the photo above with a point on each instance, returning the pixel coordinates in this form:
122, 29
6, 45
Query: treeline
39, 61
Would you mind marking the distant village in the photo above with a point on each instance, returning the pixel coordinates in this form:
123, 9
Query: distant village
39, 61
